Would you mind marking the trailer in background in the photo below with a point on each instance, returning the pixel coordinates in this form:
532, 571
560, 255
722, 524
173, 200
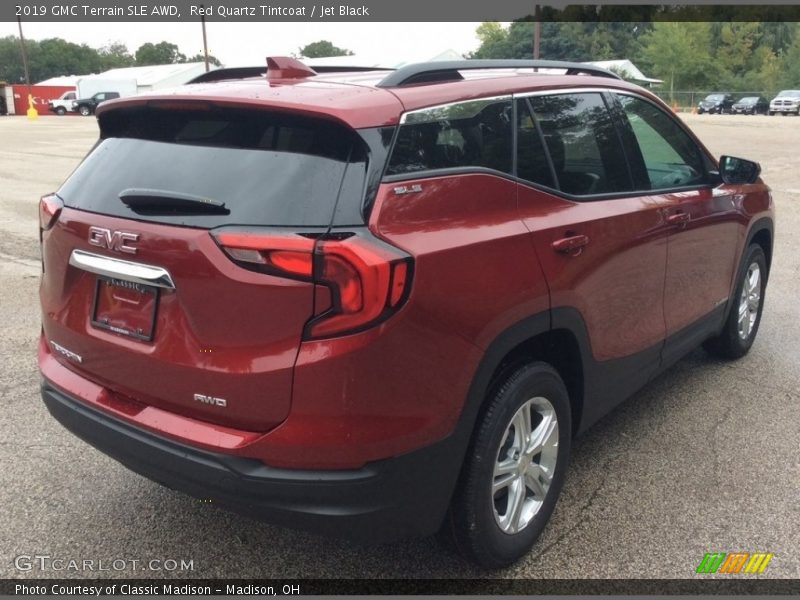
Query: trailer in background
91, 85
41, 94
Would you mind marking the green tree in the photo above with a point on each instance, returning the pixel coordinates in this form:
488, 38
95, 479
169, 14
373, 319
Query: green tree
778, 36
790, 63
679, 53
765, 74
568, 40
55, 56
323, 49
162, 53
200, 58
491, 32
115, 55
735, 47
10, 59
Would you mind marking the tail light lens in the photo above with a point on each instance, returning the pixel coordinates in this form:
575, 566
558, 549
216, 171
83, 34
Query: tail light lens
286, 255
367, 279
49, 208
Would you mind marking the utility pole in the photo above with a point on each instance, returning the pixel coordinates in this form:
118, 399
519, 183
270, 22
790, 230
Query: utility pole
32, 112
537, 30
205, 40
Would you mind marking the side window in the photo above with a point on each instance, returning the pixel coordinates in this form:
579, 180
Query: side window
583, 144
532, 163
468, 134
670, 157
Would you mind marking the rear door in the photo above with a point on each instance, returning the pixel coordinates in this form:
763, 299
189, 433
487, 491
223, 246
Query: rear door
170, 269
602, 246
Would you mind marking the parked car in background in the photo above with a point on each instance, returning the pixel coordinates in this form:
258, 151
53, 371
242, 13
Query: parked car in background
383, 309
751, 105
715, 104
786, 102
63, 103
87, 106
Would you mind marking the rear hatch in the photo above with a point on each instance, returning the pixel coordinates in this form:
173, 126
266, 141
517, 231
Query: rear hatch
144, 286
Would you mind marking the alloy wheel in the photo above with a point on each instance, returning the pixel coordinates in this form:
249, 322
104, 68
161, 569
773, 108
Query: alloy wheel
525, 465
749, 301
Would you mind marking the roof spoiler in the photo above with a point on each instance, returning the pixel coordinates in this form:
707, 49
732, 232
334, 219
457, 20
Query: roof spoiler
441, 71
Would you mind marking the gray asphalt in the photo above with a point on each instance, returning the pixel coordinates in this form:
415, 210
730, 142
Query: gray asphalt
704, 459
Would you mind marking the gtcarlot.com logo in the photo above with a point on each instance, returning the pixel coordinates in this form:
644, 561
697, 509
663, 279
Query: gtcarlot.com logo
734, 562
45, 562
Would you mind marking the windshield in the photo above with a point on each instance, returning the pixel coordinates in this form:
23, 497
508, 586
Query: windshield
714, 97
790, 93
748, 100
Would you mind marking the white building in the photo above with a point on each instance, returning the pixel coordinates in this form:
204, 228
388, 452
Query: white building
147, 78
628, 70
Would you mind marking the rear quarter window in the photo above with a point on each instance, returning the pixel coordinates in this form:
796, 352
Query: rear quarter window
468, 134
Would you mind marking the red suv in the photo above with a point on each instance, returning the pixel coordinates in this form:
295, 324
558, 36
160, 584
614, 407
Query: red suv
379, 304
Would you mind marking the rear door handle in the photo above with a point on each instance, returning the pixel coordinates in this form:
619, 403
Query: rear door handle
573, 244
678, 218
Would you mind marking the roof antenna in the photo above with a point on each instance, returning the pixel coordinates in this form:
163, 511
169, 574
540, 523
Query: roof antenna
285, 67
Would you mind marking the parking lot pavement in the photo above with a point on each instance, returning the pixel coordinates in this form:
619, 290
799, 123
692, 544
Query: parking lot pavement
704, 459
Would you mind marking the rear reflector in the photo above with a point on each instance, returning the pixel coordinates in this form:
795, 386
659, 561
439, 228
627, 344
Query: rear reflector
49, 209
368, 280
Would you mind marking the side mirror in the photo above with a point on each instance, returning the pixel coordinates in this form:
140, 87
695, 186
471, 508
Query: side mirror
738, 170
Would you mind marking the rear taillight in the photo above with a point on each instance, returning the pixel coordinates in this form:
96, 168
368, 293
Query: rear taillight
49, 208
368, 280
287, 255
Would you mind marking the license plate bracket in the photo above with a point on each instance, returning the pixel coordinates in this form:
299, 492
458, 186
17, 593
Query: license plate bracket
126, 308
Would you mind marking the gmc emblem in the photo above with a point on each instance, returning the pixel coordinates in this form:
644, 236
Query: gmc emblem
113, 240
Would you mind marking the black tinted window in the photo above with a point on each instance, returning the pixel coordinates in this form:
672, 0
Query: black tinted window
669, 156
267, 169
468, 134
583, 143
532, 163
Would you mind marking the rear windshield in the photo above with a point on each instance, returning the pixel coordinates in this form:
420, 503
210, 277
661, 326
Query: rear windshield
267, 168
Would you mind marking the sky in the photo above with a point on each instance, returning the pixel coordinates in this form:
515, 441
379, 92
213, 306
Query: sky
249, 43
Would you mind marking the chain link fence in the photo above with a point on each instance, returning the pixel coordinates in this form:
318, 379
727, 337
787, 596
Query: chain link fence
687, 101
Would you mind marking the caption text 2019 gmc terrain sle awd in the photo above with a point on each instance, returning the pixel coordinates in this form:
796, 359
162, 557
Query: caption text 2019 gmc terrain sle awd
382, 303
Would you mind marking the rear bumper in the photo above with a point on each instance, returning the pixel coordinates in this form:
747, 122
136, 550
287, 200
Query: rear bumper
387, 500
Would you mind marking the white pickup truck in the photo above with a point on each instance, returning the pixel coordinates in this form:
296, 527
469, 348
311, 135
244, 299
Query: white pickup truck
63, 104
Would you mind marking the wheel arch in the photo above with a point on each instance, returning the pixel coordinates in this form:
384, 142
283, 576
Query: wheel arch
762, 233
559, 339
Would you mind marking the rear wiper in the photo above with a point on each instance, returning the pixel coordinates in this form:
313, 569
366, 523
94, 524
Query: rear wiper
163, 202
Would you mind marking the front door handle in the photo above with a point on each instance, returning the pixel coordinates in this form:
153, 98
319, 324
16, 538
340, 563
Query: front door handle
573, 244
679, 218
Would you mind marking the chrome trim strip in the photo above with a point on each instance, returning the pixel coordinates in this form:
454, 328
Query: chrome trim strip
568, 90
121, 269
411, 114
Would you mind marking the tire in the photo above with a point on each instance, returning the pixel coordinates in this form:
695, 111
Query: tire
741, 326
771, 113
61, 111
482, 524
84, 110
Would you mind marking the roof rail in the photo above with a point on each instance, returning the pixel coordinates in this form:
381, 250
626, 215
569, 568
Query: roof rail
229, 73
448, 70
243, 72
